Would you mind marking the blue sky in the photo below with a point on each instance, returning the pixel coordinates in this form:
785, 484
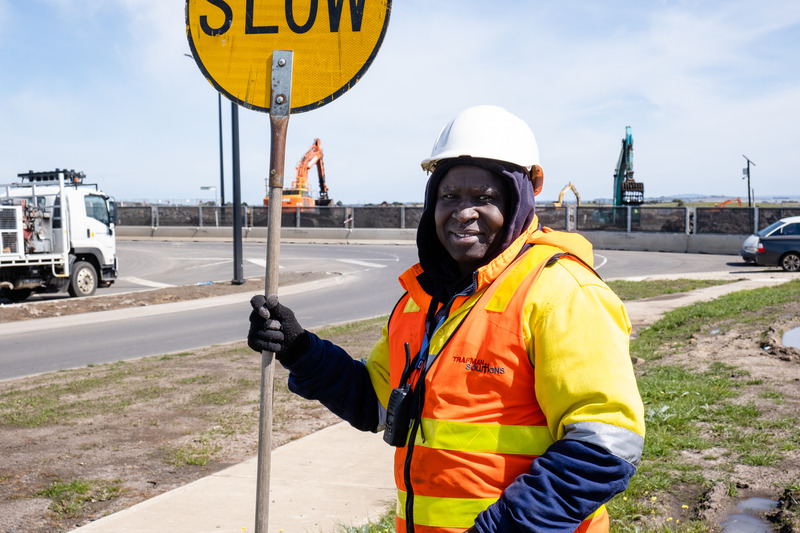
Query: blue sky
103, 86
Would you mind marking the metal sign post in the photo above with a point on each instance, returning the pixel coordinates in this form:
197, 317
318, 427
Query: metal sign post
279, 122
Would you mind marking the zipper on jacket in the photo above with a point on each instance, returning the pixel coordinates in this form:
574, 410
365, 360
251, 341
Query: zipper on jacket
407, 477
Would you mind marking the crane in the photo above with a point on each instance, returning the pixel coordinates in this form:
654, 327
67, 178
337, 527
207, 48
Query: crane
299, 195
626, 190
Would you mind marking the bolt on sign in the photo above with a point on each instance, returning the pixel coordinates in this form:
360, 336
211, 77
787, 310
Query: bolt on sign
334, 42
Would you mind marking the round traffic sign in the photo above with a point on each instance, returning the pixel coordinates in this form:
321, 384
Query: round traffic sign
334, 43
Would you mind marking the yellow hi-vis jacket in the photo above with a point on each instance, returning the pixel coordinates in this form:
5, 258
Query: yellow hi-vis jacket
538, 353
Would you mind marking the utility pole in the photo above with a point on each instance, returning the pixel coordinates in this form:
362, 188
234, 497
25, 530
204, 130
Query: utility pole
746, 172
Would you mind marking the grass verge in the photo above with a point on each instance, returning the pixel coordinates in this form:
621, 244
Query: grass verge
637, 290
700, 430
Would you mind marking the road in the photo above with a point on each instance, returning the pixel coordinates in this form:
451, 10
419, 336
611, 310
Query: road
365, 286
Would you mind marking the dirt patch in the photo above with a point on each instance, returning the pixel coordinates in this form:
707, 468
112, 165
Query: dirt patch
767, 377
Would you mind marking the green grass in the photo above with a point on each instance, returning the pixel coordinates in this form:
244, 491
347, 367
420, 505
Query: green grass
637, 290
64, 398
343, 329
70, 497
198, 453
385, 524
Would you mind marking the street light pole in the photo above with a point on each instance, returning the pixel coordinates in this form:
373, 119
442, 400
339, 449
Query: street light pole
221, 165
210, 188
238, 264
216, 212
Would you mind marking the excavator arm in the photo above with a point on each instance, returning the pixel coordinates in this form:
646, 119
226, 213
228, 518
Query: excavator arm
567, 187
312, 158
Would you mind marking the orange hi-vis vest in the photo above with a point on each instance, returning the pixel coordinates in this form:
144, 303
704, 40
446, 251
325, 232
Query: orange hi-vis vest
481, 425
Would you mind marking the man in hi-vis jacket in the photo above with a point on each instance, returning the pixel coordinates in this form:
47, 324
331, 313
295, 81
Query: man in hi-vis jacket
503, 376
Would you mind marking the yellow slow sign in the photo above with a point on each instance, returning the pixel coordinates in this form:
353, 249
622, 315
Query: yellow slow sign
334, 42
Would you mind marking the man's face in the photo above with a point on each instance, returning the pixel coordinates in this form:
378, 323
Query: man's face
470, 211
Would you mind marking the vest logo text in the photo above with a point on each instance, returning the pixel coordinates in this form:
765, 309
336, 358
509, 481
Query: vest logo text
478, 365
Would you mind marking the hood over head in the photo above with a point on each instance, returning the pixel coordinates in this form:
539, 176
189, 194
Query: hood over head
441, 277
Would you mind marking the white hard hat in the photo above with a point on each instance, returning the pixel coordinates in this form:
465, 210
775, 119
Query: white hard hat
487, 132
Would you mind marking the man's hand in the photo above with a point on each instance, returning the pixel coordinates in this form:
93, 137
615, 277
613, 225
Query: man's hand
274, 328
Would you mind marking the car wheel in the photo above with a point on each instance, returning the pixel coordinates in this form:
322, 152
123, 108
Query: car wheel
791, 262
83, 281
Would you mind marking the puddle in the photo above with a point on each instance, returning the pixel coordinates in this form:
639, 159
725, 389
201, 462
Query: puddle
744, 523
757, 504
792, 338
748, 523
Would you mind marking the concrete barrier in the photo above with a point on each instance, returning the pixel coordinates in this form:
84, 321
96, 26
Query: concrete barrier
708, 243
724, 244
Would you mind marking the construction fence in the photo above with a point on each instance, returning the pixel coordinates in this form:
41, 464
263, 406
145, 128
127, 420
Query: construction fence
680, 220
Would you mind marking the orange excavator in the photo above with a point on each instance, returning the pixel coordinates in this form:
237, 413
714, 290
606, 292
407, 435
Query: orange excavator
726, 202
299, 194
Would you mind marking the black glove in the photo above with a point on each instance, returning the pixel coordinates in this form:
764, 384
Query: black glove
273, 328
473, 529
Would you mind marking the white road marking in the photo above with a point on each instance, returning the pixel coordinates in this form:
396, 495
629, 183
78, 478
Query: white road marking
259, 262
145, 282
361, 263
206, 265
603, 261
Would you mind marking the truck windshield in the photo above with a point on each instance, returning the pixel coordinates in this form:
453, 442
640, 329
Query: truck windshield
97, 208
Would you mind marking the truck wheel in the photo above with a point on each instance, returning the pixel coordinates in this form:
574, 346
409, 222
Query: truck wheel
83, 281
791, 262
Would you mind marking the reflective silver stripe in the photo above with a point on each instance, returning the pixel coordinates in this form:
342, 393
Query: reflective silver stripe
617, 441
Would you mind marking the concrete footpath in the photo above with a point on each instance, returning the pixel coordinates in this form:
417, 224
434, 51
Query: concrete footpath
335, 477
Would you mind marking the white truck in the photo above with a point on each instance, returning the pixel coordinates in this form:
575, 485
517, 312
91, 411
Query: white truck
56, 233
